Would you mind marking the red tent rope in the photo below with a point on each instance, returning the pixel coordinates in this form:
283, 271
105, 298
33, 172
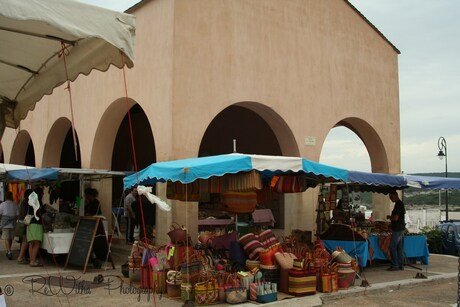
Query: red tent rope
128, 110
63, 54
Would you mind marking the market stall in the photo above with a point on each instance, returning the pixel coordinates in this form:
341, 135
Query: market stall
53, 42
375, 247
415, 248
377, 234
329, 266
62, 216
239, 182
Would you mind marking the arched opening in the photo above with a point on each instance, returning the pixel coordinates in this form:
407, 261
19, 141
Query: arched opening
23, 152
343, 148
144, 146
68, 158
112, 148
59, 151
252, 134
70, 189
257, 130
354, 144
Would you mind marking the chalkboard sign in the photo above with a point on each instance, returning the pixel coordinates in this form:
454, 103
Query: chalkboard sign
89, 230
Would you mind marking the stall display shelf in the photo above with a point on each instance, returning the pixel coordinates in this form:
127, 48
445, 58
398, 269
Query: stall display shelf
215, 222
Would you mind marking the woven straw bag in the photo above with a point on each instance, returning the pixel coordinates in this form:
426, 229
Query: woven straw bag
285, 260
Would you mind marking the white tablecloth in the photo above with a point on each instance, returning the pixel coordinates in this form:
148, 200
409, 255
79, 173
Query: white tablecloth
57, 243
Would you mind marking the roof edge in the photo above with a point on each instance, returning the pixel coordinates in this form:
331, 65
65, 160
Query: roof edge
374, 27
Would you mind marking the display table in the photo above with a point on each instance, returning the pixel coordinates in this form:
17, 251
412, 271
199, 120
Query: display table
215, 222
353, 248
57, 243
415, 247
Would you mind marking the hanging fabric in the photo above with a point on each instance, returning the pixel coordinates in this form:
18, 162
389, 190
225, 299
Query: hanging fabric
239, 202
289, 184
178, 191
243, 182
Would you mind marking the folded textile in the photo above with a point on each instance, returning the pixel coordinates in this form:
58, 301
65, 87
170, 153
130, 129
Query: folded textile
263, 216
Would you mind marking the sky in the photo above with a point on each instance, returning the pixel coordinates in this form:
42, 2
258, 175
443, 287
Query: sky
427, 33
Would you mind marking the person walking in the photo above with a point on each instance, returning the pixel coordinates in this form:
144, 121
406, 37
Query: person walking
92, 204
147, 222
23, 208
35, 229
398, 226
9, 212
130, 215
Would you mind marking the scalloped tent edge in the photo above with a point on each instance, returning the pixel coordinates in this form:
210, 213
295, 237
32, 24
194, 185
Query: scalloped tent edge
31, 33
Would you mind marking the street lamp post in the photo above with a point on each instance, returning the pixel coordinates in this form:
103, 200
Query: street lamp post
442, 145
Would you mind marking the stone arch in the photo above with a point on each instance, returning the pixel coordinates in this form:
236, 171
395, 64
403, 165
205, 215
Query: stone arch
261, 131
22, 151
263, 115
108, 130
55, 142
372, 141
106, 133
278, 125
112, 147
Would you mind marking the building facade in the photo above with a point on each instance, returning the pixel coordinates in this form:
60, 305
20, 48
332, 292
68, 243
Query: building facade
276, 76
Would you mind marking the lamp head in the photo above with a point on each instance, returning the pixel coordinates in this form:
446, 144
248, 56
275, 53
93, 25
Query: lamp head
441, 155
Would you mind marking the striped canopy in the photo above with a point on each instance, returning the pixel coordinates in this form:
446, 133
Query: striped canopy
189, 170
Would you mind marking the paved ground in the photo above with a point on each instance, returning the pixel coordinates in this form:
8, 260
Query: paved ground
26, 285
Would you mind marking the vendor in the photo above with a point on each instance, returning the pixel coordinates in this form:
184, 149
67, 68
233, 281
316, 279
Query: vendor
92, 204
340, 215
145, 217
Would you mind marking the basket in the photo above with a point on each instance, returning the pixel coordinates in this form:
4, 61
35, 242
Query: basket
236, 295
134, 262
177, 233
252, 264
125, 270
326, 283
267, 298
270, 273
267, 256
251, 245
344, 266
285, 260
239, 202
146, 276
206, 292
173, 290
346, 279
341, 256
173, 281
187, 293
159, 281
335, 281
302, 281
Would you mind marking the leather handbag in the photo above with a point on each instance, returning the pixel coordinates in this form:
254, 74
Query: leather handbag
177, 233
20, 229
28, 219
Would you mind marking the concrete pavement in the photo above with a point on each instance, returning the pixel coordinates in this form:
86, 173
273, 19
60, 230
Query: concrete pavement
25, 285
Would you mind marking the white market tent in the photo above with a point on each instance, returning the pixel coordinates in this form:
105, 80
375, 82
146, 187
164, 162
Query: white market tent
44, 43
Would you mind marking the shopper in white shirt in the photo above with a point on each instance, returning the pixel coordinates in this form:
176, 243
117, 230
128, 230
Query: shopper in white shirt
9, 212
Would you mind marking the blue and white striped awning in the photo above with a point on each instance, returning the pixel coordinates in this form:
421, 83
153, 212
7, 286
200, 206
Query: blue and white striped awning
189, 170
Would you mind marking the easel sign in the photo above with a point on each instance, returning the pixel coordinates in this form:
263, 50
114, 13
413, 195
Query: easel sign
89, 231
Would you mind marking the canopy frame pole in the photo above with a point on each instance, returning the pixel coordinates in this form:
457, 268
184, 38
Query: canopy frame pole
45, 36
